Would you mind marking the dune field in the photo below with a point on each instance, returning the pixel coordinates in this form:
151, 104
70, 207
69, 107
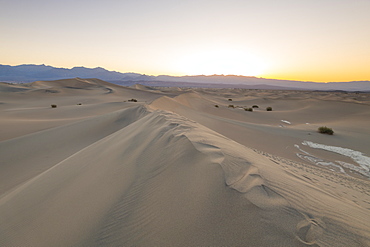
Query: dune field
182, 167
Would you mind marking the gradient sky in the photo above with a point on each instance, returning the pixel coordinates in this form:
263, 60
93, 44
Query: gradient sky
308, 40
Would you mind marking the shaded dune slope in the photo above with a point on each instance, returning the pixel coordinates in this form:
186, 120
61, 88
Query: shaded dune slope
31, 154
7, 87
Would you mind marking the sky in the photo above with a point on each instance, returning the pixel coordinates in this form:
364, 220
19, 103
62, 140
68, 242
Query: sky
306, 40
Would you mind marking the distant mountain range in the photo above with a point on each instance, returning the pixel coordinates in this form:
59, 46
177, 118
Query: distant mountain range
30, 72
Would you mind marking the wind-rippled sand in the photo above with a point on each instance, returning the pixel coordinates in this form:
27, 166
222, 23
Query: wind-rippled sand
174, 170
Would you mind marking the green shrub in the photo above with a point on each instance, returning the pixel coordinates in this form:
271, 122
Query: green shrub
231, 106
248, 109
269, 108
325, 130
53, 106
255, 106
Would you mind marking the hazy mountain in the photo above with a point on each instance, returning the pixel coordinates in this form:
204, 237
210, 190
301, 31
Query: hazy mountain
31, 72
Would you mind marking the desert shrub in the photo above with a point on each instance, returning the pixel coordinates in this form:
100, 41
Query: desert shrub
269, 108
216, 106
79, 104
231, 106
230, 99
132, 100
325, 130
255, 106
248, 109
53, 106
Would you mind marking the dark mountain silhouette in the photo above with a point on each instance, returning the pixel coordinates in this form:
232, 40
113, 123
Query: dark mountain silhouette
31, 72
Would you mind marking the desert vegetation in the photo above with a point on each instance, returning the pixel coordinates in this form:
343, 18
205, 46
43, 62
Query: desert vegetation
248, 109
231, 106
325, 130
269, 108
132, 100
216, 106
53, 106
255, 106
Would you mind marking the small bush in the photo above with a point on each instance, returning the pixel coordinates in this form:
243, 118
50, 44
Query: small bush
53, 106
269, 108
248, 109
132, 100
79, 104
216, 106
230, 99
325, 130
231, 106
255, 106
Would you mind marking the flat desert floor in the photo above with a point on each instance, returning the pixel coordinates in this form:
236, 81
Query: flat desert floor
182, 167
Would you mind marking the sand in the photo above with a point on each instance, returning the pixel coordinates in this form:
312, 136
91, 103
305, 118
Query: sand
174, 170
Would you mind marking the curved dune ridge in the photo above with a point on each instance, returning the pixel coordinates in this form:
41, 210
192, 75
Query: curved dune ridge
160, 174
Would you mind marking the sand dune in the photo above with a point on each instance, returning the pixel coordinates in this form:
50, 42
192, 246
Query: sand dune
174, 170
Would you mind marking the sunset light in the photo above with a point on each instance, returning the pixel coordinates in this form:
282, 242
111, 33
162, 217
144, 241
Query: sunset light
320, 41
226, 62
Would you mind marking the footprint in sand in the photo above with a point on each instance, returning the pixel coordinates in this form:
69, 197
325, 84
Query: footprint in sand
309, 230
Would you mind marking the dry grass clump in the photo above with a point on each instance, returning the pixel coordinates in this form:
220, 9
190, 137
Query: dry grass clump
231, 106
248, 109
325, 130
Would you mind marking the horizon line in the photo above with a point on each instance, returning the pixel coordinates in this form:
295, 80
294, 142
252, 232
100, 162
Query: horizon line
185, 75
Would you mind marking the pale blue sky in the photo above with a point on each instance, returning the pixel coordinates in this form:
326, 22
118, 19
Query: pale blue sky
325, 40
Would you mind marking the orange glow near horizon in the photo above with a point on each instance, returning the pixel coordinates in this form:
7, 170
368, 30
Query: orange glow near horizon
221, 61
322, 74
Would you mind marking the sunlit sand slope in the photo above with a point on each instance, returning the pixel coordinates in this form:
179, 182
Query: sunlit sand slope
286, 129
